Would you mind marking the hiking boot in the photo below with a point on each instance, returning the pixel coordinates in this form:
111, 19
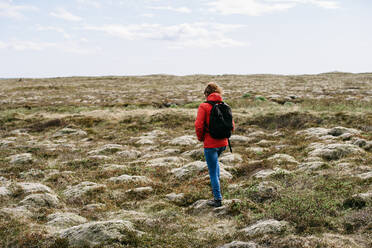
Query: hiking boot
214, 203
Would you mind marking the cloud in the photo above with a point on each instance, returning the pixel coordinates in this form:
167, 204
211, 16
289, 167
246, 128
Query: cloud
90, 3
65, 15
170, 8
261, 7
9, 10
52, 28
247, 7
182, 35
71, 47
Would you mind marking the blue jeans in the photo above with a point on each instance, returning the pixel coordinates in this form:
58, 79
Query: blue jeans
211, 156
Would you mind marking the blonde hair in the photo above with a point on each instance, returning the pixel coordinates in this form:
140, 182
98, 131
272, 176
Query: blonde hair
212, 88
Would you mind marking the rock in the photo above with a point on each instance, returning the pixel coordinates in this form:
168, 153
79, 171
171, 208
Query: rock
264, 227
269, 172
189, 169
265, 143
32, 173
165, 161
19, 212
360, 142
367, 196
65, 220
99, 157
75, 192
231, 159
323, 240
4, 192
140, 190
184, 140
113, 167
257, 135
365, 176
69, 132
145, 141
129, 154
99, 233
368, 146
239, 244
199, 207
266, 190
257, 149
176, 198
337, 131
29, 188
24, 158
240, 139
314, 132
94, 207
197, 154
155, 133
4, 181
6, 143
311, 166
334, 151
108, 148
129, 179
282, 159
40, 200
196, 167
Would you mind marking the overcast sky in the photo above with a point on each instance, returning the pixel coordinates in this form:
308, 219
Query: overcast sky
47, 38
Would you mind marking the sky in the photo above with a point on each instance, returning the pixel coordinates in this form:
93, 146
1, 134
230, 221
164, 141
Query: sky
51, 38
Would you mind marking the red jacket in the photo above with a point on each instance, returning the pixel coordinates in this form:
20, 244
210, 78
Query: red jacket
202, 121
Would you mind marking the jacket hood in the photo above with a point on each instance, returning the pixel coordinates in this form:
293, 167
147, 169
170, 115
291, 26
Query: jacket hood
214, 97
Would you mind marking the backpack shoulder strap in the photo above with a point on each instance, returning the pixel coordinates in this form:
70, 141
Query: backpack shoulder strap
213, 102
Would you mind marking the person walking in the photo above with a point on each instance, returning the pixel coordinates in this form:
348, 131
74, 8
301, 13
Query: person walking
213, 148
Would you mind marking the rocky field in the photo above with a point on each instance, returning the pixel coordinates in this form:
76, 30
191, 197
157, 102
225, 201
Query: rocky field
114, 162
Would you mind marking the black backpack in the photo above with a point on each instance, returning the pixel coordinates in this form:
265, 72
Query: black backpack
220, 121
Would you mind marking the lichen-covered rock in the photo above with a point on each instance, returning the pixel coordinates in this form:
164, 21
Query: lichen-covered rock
29, 188
140, 190
269, 172
40, 200
314, 132
19, 212
113, 167
365, 176
334, 151
185, 140
23, 158
165, 161
256, 149
129, 154
231, 159
145, 140
264, 227
311, 166
337, 131
108, 148
196, 154
77, 191
282, 158
65, 220
196, 167
68, 132
239, 244
4, 192
127, 178
99, 233
176, 198
240, 139
266, 190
